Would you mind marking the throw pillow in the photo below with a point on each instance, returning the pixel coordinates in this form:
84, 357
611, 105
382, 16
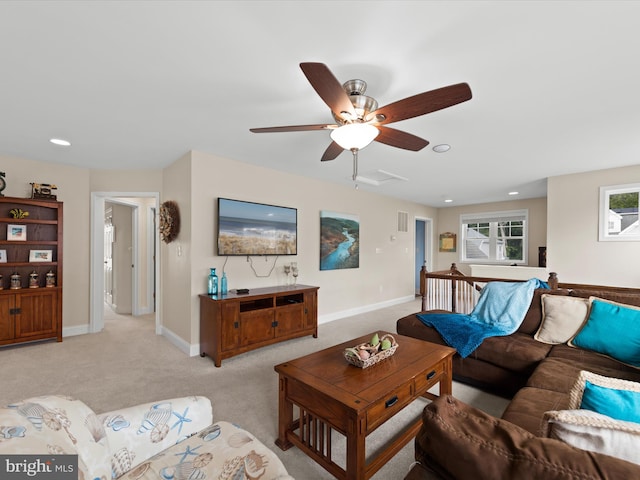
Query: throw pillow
614, 397
594, 432
562, 317
612, 329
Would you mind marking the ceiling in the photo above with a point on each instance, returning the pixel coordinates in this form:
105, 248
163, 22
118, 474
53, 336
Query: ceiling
136, 85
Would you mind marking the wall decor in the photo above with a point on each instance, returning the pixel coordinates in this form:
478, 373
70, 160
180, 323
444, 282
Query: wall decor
448, 242
17, 232
40, 256
339, 240
3, 256
169, 221
43, 191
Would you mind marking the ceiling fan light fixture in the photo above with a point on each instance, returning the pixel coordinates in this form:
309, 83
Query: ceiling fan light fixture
354, 135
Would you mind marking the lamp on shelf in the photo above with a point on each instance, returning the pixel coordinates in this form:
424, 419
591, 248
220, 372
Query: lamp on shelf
354, 137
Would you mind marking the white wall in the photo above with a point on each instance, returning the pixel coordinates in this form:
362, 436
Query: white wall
574, 251
383, 277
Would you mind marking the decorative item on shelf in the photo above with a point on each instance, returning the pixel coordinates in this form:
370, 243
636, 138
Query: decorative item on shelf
223, 284
33, 280
212, 288
18, 213
17, 233
366, 354
43, 191
287, 270
16, 281
3, 184
1, 282
40, 255
3, 256
294, 272
50, 279
169, 221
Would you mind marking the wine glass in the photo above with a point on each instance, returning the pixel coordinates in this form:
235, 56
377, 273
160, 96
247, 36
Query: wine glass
287, 269
294, 272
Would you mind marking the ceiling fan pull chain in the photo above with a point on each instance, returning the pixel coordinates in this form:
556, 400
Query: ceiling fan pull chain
355, 163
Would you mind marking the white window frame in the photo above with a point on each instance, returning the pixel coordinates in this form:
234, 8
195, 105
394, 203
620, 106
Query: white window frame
605, 195
494, 217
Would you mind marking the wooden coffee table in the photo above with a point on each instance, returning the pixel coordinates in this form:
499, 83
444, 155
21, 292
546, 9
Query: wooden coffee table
332, 395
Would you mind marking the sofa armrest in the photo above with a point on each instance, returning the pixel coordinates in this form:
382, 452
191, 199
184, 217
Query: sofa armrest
459, 441
138, 433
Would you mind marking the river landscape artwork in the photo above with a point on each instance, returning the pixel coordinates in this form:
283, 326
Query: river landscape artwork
339, 241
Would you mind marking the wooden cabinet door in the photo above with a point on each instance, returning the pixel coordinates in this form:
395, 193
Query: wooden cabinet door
289, 319
230, 325
311, 309
7, 322
256, 326
37, 313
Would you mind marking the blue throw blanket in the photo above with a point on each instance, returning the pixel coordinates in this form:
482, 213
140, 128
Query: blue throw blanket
500, 311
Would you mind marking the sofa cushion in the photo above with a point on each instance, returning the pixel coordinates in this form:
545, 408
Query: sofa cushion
594, 432
463, 441
528, 406
612, 329
516, 352
222, 450
562, 317
141, 431
533, 317
626, 298
594, 362
56, 425
614, 397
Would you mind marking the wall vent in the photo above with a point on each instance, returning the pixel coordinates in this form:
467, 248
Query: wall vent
403, 222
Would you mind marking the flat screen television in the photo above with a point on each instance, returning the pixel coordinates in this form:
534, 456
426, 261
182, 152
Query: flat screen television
248, 228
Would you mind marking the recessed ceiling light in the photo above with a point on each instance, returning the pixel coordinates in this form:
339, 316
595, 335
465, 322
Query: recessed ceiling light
443, 147
448, 200
514, 193
60, 141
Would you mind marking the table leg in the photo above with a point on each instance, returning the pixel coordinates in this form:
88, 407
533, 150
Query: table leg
356, 450
285, 415
446, 384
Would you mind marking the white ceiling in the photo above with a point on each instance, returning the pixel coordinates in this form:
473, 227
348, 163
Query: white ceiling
138, 84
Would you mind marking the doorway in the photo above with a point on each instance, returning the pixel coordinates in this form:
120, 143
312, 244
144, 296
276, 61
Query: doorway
423, 250
141, 265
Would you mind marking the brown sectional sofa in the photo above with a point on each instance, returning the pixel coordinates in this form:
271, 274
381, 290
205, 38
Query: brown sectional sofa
538, 377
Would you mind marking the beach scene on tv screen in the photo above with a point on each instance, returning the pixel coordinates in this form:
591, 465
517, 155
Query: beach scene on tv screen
246, 228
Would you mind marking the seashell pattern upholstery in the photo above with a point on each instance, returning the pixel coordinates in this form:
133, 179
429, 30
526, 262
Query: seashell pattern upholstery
172, 439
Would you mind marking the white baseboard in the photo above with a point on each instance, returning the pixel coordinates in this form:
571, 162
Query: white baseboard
180, 343
194, 350
330, 317
73, 331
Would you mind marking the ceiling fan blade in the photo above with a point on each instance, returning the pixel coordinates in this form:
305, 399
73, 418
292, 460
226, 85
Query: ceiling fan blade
329, 88
332, 152
397, 138
424, 103
294, 128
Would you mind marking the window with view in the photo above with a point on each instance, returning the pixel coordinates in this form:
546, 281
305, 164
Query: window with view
494, 237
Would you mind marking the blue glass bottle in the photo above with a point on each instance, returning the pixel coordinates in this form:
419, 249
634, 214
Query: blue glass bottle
223, 283
213, 282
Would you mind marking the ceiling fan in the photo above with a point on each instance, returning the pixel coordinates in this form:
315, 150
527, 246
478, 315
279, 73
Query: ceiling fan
358, 119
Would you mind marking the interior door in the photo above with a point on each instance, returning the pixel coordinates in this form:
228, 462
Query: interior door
421, 253
108, 260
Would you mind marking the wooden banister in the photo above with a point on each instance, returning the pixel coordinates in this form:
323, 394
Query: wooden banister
450, 288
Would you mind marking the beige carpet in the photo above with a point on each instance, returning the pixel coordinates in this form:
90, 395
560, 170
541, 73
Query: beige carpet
127, 363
